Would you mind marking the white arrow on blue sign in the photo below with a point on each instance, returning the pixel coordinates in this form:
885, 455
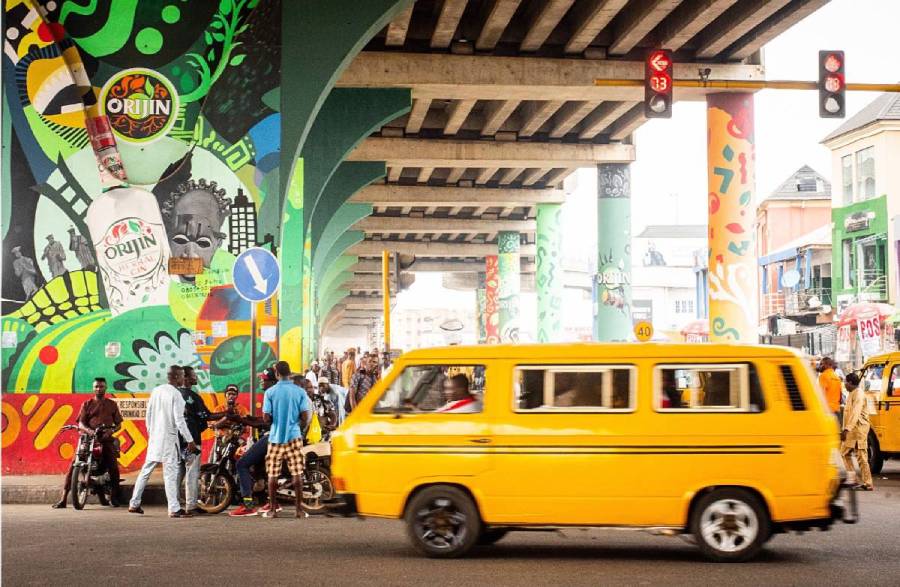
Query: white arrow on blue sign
256, 275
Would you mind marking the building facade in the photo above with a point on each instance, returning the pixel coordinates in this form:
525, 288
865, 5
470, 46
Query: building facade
866, 203
793, 227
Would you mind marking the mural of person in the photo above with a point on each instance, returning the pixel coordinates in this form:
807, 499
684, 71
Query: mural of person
25, 270
55, 256
194, 215
82, 248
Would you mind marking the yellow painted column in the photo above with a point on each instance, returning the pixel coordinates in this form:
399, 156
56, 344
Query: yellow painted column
733, 311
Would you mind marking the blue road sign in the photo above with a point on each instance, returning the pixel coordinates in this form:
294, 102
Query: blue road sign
256, 274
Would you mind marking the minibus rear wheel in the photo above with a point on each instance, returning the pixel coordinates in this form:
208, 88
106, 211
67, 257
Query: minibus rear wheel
442, 521
876, 459
730, 524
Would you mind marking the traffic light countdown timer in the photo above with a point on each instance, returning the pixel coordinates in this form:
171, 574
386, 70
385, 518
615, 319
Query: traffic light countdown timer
658, 84
832, 84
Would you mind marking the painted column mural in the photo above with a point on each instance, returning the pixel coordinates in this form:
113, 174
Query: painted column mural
491, 299
182, 98
732, 254
480, 310
612, 302
508, 245
549, 272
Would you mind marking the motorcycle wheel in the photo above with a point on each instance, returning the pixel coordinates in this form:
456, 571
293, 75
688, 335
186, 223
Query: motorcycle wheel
317, 490
101, 495
216, 491
80, 486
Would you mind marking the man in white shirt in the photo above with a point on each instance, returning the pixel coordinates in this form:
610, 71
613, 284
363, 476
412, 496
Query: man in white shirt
165, 421
459, 400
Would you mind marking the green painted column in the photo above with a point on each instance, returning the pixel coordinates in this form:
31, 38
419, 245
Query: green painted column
481, 309
290, 307
349, 178
508, 246
612, 291
340, 224
338, 273
549, 278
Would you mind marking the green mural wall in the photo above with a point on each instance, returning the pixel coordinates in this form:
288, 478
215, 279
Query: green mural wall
549, 272
190, 93
508, 246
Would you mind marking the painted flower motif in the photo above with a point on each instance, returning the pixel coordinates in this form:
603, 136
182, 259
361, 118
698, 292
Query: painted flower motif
155, 358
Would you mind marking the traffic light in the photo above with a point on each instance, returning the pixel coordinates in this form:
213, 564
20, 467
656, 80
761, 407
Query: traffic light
658, 84
832, 85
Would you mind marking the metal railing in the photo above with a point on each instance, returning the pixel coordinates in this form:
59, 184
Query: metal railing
792, 302
872, 286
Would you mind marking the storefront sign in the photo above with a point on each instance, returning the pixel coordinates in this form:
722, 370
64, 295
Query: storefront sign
858, 221
869, 331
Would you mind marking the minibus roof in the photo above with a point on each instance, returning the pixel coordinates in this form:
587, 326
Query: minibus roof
606, 351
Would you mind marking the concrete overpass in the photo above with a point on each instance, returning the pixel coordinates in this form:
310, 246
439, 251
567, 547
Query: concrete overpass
501, 108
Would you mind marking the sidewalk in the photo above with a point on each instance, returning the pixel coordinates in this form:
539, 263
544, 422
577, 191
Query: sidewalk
25, 489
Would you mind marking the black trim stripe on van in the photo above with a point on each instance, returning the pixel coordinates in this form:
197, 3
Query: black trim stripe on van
790, 383
765, 449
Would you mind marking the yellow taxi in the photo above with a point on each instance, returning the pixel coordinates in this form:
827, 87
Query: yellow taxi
880, 382
731, 444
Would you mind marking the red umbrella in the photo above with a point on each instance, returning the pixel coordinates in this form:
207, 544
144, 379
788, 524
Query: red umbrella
864, 310
700, 327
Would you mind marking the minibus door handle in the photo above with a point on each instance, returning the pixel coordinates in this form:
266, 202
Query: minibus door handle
480, 440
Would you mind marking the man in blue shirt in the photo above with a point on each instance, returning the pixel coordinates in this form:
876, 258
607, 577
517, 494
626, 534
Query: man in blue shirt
287, 409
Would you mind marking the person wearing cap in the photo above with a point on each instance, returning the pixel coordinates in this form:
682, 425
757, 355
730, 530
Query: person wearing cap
313, 373
233, 412
24, 269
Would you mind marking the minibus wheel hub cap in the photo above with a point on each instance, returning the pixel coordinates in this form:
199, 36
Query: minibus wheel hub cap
441, 524
729, 525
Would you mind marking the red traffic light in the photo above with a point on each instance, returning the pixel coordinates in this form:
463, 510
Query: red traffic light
658, 84
833, 62
834, 83
659, 60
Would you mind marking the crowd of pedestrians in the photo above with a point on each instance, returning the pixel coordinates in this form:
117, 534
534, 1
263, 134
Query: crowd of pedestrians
177, 417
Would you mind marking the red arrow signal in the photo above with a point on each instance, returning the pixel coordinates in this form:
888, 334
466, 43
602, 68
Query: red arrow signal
659, 61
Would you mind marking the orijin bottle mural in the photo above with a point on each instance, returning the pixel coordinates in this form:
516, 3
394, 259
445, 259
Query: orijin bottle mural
132, 248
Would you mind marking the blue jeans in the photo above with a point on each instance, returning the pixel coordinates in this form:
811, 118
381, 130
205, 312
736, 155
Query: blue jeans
255, 455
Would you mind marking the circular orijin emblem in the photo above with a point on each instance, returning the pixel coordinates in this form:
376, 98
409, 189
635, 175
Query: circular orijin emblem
141, 104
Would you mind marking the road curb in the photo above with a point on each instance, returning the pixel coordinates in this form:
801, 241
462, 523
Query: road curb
48, 494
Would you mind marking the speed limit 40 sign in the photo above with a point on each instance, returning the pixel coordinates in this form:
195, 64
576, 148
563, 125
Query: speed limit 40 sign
643, 331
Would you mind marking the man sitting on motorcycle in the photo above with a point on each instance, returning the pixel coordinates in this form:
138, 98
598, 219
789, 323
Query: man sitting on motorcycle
254, 456
233, 412
99, 411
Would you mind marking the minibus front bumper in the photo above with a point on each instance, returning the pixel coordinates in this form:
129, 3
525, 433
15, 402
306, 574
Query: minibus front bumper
343, 505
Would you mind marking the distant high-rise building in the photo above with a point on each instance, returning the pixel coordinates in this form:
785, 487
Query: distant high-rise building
241, 224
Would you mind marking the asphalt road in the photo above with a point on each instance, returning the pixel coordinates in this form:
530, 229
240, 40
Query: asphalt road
101, 546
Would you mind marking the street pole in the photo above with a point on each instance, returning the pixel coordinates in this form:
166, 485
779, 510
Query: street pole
386, 301
252, 358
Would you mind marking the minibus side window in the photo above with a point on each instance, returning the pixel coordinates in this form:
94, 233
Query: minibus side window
894, 383
568, 388
872, 377
712, 388
446, 389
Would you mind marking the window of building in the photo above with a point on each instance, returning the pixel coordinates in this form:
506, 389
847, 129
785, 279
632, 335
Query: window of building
847, 178
451, 389
684, 306
584, 388
849, 260
865, 173
714, 388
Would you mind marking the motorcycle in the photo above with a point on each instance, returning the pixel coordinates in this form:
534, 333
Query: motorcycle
219, 479
88, 473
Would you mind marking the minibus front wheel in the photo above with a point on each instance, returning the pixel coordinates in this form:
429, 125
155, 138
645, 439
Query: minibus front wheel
730, 524
442, 521
876, 459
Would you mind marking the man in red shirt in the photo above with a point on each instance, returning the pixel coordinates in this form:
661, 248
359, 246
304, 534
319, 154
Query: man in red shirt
100, 410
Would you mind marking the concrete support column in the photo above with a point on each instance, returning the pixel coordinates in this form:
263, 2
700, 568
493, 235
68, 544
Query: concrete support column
480, 310
508, 245
549, 278
612, 302
733, 277
491, 299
